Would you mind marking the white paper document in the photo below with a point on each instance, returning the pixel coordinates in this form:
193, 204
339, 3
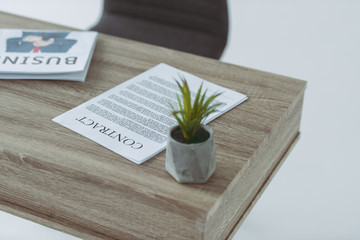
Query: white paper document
44, 54
133, 118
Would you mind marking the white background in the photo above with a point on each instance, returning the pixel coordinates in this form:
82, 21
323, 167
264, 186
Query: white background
316, 193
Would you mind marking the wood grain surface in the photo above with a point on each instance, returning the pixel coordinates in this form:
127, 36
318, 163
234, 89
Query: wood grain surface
54, 176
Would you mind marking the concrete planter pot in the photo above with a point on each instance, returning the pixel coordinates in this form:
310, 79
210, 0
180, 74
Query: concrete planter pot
191, 163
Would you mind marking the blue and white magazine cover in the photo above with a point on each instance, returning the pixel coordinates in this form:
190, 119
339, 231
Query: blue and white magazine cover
44, 54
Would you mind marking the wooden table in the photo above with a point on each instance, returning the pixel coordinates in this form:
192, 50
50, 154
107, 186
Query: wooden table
58, 178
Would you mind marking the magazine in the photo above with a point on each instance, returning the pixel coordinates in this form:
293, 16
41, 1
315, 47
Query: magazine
44, 54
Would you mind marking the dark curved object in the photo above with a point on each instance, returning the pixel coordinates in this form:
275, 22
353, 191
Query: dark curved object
195, 26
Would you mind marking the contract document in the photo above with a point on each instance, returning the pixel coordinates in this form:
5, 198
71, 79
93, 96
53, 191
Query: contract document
133, 118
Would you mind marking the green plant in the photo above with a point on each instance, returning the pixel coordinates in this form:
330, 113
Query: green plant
193, 114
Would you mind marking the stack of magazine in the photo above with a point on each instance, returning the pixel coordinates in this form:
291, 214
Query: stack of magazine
44, 54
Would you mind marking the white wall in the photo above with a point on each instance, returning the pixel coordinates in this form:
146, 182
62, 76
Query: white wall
316, 193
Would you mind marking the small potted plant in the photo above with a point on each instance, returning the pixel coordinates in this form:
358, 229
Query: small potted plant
190, 152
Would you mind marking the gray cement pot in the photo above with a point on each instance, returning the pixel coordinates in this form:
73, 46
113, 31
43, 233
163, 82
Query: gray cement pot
191, 163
